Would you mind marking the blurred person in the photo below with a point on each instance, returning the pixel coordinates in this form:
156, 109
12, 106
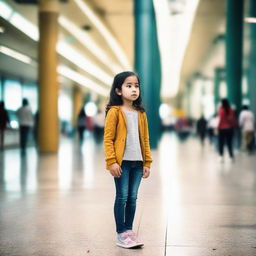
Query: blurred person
201, 129
98, 123
247, 124
213, 128
26, 122
127, 151
183, 128
89, 123
81, 124
226, 125
4, 122
213, 131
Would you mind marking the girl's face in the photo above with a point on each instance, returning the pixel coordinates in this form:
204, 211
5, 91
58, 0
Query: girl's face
130, 89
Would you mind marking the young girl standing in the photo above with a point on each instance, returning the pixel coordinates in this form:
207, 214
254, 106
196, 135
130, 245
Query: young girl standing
127, 151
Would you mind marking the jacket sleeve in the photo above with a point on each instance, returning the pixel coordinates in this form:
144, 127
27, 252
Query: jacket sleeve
148, 158
109, 136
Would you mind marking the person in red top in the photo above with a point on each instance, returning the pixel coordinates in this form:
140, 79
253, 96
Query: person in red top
227, 123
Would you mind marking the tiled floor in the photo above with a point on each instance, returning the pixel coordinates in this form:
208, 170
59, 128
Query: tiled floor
192, 205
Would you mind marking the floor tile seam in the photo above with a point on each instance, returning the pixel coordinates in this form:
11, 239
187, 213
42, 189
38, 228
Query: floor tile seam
231, 246
156, 246
166, 235
139, 221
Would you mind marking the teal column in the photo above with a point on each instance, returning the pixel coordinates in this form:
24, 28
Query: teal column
234, 45
218, 77
147, 64
252, 59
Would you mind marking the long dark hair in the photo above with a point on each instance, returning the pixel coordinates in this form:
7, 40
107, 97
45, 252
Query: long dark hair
115, 99
225, 104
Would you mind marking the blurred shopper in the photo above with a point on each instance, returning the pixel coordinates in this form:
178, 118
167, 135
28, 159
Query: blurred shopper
201, 129
213, 128
227, 123
89, 123
81, 124
183, 128
127, 151
26, 122
213, 131
247, 124
4, 121
98, 123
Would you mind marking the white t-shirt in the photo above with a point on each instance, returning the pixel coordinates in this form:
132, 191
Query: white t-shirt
247, 120
132, 150
25, 116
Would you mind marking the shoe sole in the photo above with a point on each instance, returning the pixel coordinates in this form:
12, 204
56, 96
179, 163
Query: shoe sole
138, 245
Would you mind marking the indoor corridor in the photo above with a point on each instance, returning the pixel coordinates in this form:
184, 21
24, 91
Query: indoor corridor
192, 205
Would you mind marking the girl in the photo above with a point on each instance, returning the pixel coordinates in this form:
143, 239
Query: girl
127, 151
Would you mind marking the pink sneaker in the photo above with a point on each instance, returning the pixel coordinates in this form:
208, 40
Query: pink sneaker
134, 237
123, 240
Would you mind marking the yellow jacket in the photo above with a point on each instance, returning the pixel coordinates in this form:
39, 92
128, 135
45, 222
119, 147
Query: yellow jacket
115, 133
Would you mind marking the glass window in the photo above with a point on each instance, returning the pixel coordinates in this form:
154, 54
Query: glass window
12, 94
65, 106
65, 109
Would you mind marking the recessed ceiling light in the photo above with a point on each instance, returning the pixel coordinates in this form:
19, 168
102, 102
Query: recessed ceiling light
250, 19
86, 27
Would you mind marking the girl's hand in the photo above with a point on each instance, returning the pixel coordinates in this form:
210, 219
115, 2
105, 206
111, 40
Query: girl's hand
115, 170
146, 172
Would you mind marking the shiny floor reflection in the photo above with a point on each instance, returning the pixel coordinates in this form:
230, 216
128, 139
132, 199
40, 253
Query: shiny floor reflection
62, 204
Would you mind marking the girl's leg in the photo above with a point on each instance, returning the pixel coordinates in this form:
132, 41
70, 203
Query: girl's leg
122, 185
134, 183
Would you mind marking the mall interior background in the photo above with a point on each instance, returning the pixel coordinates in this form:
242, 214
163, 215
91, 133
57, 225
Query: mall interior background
97, 39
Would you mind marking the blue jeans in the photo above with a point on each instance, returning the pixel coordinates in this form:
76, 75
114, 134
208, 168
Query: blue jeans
126, 194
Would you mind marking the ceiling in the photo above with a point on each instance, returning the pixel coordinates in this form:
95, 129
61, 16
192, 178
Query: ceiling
209, 22
12, 67
117, 16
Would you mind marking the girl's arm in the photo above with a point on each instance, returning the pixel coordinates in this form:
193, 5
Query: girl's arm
148, 158
109, 136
